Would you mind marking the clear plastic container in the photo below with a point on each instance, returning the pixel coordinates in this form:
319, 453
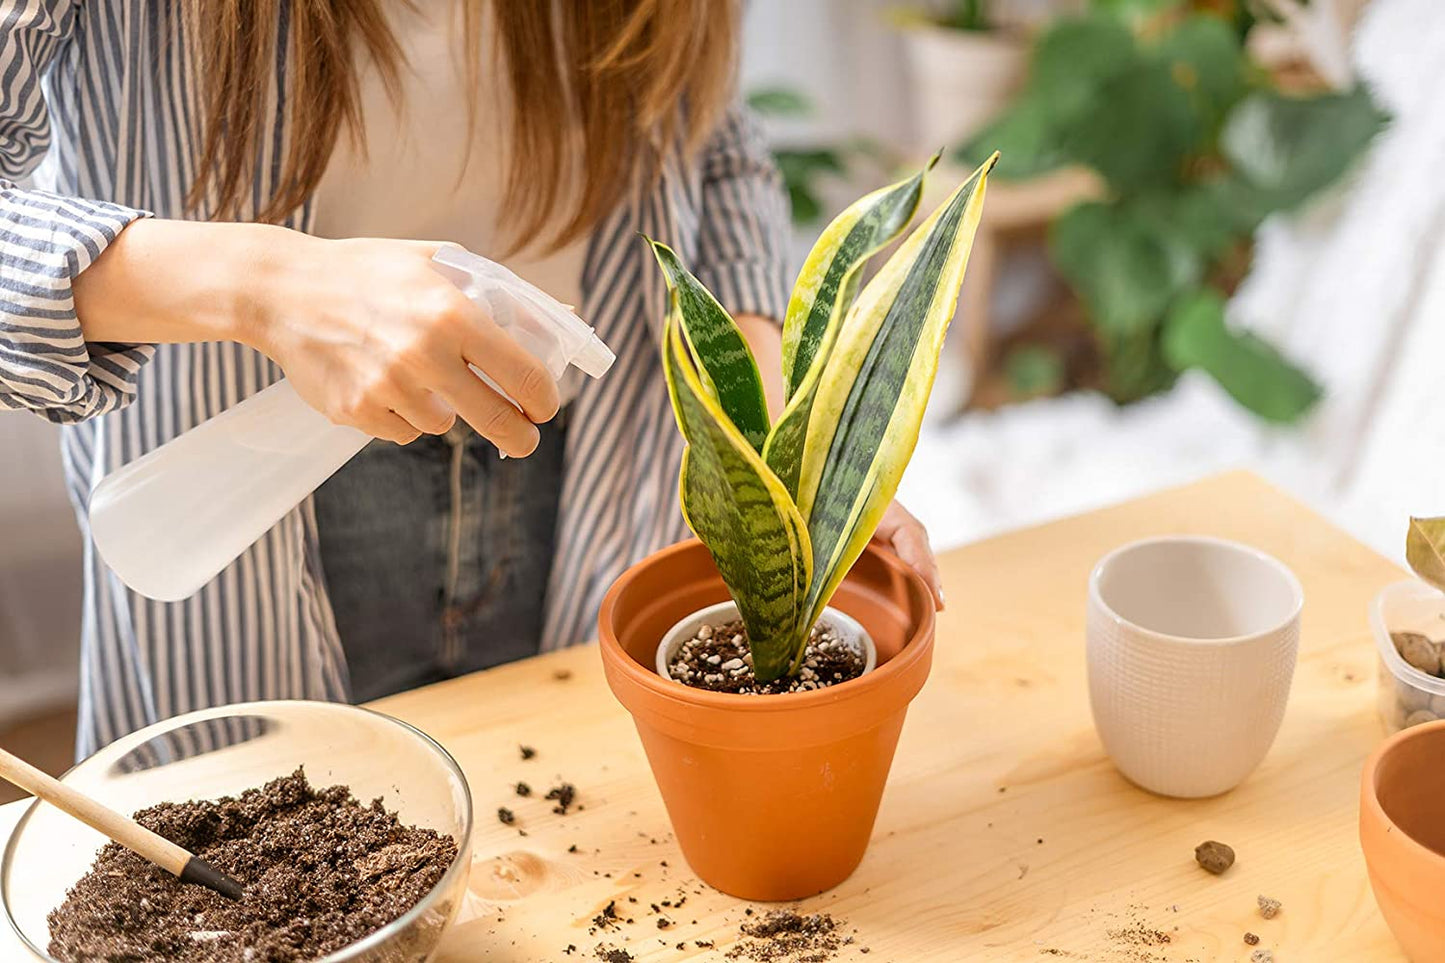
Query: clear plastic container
1407, 695
170, 521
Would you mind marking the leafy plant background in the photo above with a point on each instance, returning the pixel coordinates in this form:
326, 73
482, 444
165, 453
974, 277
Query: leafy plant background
805, 169
1196, 146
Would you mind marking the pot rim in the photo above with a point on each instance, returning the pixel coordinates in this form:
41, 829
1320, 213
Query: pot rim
1372, 811
1096, 595
1011, 35
646, 677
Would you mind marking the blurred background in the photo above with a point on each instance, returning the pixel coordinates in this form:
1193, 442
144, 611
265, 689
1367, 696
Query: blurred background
1212, 243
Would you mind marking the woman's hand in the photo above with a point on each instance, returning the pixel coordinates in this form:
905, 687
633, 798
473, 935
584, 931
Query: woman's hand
366, 330
372, 336
908, 539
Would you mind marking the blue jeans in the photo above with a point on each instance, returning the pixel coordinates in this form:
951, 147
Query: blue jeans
437, 555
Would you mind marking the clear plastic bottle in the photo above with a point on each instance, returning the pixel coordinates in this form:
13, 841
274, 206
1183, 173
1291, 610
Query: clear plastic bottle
169, 522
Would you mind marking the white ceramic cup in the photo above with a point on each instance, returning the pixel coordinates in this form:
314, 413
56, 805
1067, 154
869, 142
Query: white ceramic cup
1192, 643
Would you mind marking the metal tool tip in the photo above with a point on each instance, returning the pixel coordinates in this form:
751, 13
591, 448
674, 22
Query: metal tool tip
202, 873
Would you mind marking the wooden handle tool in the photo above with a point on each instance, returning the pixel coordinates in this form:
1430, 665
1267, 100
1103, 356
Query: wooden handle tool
132, 835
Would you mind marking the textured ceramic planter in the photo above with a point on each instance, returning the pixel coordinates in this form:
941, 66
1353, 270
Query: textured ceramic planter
1402, 832
771, 797
847, 628
1191, 645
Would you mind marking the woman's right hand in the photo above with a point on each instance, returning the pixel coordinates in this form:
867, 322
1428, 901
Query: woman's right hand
371, 335
366, 330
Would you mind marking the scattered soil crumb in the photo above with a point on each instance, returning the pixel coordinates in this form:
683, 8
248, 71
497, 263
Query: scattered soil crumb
1214, 856
1138, 941
321, 871
1251, 939
1261, 956
505, 816
613, 954
1269, 908
522, 789
717, 658
562, 675
563, 795
527, 752
1140, 934
607, 919
785, 936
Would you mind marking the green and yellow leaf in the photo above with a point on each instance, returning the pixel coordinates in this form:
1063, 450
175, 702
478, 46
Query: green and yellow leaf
826, 287
828, 280
874, 386
740, 510
728, 372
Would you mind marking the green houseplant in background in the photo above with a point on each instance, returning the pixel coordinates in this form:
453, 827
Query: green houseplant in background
805, 169
1195, 147
773, 796
971, 15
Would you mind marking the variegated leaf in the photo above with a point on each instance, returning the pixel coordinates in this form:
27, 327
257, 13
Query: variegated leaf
742, 513
728, 372
828, 280
1425, 549
875, 385
825, 290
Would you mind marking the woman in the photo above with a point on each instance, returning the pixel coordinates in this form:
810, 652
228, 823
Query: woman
200, 160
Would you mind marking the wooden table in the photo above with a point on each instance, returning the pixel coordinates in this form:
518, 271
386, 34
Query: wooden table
1004, 834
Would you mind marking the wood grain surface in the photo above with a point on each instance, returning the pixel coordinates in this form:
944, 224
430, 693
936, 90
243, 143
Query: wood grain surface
1005, 834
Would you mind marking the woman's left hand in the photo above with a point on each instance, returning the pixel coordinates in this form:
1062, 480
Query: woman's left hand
908, 539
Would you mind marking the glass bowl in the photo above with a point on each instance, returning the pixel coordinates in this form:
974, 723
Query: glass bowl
1407, 696
224, 751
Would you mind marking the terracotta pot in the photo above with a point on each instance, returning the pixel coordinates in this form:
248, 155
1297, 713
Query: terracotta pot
771, 797
1402, 831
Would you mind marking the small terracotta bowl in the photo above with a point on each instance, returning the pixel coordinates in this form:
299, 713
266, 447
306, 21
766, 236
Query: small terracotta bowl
1402, 831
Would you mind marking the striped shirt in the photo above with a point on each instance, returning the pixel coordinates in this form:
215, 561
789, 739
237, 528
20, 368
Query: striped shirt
102, 92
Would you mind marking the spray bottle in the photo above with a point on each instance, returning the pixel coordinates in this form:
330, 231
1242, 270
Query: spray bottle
170, 521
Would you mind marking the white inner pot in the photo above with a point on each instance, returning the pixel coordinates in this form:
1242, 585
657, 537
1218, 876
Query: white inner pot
847, 628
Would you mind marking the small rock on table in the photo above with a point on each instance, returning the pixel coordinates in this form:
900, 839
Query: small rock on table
1214, 856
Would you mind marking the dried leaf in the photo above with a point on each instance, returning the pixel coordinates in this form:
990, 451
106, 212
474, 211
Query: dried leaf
1425, 549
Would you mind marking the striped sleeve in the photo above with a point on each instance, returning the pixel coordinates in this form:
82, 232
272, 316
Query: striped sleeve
742, 249
45, 241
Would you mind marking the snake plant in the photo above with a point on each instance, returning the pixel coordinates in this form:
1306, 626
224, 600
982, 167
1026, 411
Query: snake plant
785, 508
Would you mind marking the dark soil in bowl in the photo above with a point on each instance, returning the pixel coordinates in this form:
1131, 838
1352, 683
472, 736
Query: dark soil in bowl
321, 872
716, 658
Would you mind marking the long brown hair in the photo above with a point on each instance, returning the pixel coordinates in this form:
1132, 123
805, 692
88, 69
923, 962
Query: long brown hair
602, 82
